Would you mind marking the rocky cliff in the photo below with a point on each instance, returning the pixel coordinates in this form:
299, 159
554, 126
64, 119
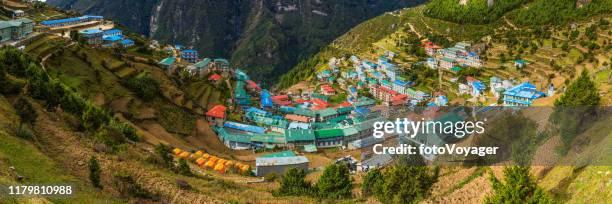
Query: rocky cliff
266, 37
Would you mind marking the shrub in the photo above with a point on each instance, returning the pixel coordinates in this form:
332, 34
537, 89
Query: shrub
335, 182
518, 187
293, 183
94, 172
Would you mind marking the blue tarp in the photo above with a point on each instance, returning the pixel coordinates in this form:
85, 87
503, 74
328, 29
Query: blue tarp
266, 100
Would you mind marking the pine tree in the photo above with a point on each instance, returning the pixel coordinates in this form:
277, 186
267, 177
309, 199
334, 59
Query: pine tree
372, 183
183, 168
94, 172
518, 187
408, 181
293, 183
335, 182
582, 92
163, 152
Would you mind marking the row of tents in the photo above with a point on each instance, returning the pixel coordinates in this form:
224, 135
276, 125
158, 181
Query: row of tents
215, 163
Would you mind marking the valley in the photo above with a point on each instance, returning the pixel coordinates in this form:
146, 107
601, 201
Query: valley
223, 120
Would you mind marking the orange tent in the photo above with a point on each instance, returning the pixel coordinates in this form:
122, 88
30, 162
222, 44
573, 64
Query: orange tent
210, 164
220, 168
177, 151
200, 161
214, 159
221, 161
184, 155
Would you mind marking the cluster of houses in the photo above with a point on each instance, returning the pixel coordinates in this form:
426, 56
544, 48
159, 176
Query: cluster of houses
301, 121
15, 29
463, 54
189, 61
381, 79
106, 38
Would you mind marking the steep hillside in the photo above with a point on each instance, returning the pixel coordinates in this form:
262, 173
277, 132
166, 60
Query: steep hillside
264, 36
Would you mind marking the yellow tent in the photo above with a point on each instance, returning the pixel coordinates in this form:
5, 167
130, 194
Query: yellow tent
221, 161
184, 155
177, 151
206, 156
229, 164
210, 164
198, 154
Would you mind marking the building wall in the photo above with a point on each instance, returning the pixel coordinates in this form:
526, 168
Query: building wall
278, 169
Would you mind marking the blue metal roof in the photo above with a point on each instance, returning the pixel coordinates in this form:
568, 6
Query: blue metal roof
245, 127
112, 31
256, 111
68, 20
113, 38
401, 82
266, 100
479, 85
91, 31
127, 42
524, 90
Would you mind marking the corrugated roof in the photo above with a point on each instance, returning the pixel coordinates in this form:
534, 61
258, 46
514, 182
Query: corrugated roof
287, 153
280, 161
328, 133
294, 135
245, 127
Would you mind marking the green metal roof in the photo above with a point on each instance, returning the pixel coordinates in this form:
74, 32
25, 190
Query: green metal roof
310, 148
228, 136
327, 112
343, 110
203, 63
364, 101
328, 133
168, 61
240, 92
349, 131
320, 96
293, 135
272, 137
287, 153
305, 112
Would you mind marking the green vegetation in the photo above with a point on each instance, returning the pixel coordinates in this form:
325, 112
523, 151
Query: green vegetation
559, 12
372, 183
127, 186
409, 180
183, 168
580, 99
42, 87
475, 12
335, 182
94, 172
293, 183
518, 187
143, 85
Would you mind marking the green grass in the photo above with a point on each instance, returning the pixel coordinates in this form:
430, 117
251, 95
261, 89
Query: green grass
39, 169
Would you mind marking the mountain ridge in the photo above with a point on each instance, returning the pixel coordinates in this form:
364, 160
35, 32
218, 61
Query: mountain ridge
283, 33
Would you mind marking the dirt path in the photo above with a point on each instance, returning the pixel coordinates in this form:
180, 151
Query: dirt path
510, 23
59, 142
414, 30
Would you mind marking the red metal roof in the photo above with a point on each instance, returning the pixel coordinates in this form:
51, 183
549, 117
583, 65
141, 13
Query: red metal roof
253, 85
320, 102
218, 111
298, 118
214, 77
